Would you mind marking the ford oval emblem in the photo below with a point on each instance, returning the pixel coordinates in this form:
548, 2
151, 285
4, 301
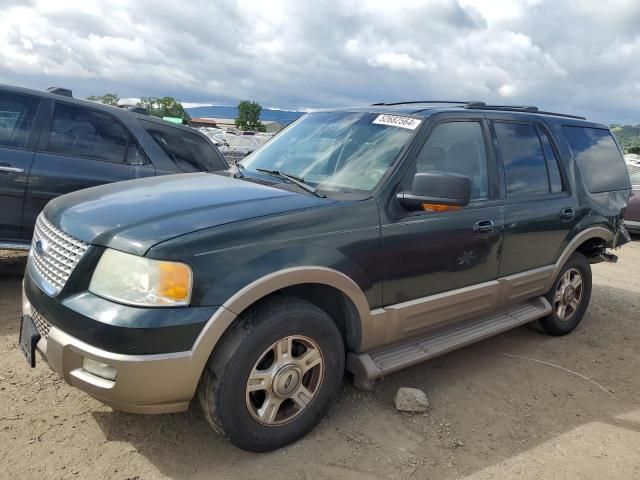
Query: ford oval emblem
41, 247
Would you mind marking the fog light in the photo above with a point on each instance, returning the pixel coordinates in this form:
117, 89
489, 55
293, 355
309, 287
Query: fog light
98, 369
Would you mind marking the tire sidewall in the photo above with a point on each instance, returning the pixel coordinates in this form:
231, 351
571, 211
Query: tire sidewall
238, 423
552, 324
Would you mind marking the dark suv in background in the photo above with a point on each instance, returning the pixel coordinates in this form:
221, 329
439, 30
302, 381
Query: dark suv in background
52, 144
367, 239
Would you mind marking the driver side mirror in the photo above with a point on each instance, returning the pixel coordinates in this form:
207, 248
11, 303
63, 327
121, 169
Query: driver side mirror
437, 191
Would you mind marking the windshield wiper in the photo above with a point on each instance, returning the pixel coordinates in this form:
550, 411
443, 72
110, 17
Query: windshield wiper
293, 179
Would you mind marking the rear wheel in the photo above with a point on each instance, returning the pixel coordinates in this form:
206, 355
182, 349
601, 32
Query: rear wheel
569, 297
274, 376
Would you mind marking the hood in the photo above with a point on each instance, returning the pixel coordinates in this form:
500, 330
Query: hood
135, 215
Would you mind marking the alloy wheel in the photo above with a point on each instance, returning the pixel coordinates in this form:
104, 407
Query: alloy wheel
568, 294
285, 380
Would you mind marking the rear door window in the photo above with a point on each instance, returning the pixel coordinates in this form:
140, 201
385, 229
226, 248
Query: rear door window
189, 151
86, 133
598, 157
524, 161
17, 114
553, 163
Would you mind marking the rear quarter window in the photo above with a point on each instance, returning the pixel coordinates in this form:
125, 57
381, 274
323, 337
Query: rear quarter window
188, 151
600, 162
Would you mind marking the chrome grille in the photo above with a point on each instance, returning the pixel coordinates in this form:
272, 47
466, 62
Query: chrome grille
41, 324
54, 254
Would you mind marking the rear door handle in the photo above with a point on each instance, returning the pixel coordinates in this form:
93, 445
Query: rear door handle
484, 226
567, 213
5, 167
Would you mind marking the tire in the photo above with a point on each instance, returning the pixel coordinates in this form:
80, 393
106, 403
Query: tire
273, 343
560, 322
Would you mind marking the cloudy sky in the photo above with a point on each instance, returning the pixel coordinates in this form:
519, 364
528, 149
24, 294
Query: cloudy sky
579, 56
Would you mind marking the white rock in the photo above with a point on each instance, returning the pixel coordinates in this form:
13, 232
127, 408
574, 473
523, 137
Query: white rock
411, 400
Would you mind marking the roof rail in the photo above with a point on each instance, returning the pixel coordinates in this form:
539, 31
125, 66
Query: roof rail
134, 108
464, 102
60, 91
519, 108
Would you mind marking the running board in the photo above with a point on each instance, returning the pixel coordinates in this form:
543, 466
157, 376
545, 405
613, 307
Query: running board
367, 367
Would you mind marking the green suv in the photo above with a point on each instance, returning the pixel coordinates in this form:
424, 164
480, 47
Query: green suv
363, 240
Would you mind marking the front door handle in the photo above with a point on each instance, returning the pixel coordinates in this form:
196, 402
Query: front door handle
567, 214
484, 226
5, 167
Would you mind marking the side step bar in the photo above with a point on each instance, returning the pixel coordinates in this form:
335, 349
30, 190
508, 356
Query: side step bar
369, 366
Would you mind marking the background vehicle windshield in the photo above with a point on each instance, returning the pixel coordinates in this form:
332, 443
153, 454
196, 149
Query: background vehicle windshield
337, 151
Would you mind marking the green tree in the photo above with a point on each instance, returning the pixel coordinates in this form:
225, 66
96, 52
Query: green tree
164, 107
249, 116
634, 149
107, 99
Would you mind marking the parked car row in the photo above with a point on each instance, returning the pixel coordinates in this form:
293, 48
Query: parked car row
52, 144
236, 147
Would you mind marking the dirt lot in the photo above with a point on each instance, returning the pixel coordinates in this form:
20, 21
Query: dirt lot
491, 415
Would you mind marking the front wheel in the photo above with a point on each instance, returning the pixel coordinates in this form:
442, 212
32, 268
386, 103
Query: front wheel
569, 297
274, 376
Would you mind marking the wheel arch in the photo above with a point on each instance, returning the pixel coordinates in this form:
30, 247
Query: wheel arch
321, 286
584, 242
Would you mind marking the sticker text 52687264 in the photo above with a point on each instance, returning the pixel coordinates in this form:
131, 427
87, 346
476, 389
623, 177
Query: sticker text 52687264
397, 121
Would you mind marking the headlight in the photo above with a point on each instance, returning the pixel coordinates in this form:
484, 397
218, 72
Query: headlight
141, 281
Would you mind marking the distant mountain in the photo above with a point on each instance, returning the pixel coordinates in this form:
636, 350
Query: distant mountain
627, 135
283, 117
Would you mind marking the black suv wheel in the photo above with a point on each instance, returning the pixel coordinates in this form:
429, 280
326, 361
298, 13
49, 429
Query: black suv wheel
274, 376
569, 297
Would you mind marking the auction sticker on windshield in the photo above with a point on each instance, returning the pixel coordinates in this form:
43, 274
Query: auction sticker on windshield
397, 121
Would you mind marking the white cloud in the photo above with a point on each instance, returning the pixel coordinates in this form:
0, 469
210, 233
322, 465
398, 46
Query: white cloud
399, 62
575, 55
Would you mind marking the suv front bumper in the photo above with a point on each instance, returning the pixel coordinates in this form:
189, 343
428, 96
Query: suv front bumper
157, 383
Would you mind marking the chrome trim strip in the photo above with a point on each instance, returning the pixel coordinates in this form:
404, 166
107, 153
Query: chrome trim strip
632, 224
15, 246
11, 169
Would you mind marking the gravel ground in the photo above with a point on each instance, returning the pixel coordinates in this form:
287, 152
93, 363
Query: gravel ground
491, 415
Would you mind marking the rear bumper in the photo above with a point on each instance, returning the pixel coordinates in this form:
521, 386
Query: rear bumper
157, 383
632, 225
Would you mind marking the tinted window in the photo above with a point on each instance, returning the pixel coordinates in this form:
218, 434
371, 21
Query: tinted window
17, 114
189, 151
135, 155
524, 162
457, 147
86, 133
337, 151
553, 164
599, 160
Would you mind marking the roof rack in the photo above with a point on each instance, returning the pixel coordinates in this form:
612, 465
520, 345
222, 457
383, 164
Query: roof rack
483, 106
60, 91
519, 108
465, 102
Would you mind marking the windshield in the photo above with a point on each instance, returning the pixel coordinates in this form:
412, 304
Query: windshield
337, 151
